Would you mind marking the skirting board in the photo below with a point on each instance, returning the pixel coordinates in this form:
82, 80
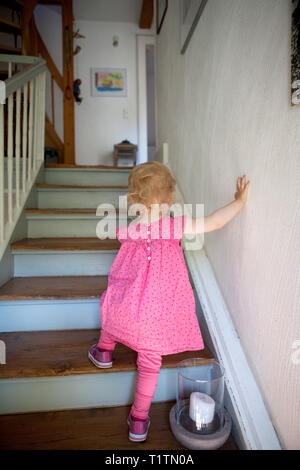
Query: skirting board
250, 417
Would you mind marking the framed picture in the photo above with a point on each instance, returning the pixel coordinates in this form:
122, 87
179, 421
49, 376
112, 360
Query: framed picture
190, 13
108, 81
295, 56
161, 10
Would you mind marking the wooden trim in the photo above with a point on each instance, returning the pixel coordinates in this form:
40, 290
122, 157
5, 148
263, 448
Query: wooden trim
74, 186
67, 244
26, 27
59, 353
78, 167
146, 16
68, 78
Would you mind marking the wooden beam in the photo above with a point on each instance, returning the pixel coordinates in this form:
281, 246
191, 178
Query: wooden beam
146, 17
28, 43
67, 31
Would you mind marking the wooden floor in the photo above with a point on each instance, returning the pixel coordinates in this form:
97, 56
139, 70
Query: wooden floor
66, 244
59, 353
88, 429
53, 287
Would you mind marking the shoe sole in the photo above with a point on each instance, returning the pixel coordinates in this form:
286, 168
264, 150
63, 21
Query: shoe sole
101, 365
137, 437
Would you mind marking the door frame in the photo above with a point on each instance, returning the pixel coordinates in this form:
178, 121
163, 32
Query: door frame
142, 42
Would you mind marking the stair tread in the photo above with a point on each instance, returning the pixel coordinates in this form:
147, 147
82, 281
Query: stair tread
53, 287
9, 26
64, 352
4, 48
92, 167
71, 186
89, 429
66, 244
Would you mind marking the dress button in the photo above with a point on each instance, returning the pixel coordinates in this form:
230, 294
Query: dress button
148, 248
148, 231
149, 257
148, 241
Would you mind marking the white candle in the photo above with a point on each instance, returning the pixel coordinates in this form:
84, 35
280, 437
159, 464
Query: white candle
202, 408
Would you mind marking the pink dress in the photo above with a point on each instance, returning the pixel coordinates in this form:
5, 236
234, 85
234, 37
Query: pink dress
149, 301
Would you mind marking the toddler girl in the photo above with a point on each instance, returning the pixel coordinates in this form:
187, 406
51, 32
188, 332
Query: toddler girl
149, 303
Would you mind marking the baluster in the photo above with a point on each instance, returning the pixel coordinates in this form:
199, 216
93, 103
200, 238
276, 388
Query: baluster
43, 104
2, 211
17, 147
24, 136
36, 121
30, 130
10, 157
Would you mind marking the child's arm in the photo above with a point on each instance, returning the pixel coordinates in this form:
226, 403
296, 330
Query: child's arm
222, 216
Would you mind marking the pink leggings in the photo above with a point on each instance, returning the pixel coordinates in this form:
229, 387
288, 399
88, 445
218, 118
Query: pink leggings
149, 363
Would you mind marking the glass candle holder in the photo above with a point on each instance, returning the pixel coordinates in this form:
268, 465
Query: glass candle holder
200, 396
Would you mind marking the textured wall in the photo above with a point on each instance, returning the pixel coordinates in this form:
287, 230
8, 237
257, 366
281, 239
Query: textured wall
224, 108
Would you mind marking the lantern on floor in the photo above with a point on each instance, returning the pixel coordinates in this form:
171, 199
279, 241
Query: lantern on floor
199, 420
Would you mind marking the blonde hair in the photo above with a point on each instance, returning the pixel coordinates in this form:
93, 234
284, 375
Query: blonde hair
150, 183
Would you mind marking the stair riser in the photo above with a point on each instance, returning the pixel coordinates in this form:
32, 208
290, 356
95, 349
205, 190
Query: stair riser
77, 199
64, 226
41, 315
86, 177
82, 391
62, 263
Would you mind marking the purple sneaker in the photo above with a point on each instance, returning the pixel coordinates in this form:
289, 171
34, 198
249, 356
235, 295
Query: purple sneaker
138, 429
101, 359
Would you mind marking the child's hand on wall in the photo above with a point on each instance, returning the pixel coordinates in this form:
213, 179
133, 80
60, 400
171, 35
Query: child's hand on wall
242, 189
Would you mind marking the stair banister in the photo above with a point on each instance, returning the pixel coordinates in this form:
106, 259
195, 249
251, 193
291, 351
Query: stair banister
18, 169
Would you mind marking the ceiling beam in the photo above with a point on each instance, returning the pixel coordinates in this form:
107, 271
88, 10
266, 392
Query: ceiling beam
146, 16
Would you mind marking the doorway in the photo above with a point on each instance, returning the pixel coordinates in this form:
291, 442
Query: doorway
146, 99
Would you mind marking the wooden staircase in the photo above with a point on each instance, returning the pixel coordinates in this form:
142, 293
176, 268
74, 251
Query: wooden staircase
49, 317
20, 36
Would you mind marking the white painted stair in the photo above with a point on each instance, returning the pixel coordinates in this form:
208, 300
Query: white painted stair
49, 311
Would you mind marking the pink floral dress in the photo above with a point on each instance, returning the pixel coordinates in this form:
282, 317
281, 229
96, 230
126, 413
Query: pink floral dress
149, 301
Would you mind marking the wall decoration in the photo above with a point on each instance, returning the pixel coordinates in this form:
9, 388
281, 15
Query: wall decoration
190, 13
295, 52
161, 10
108, 82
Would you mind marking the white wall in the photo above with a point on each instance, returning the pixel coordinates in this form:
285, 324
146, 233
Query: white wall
49, 23
224, 108
99, 121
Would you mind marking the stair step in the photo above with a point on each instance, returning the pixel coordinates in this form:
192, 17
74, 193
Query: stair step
66, 244
10, 49
70, 222
91, 167
7, 26
53, 287
69, 186
68, 196
64, 352
89, 429
85, 175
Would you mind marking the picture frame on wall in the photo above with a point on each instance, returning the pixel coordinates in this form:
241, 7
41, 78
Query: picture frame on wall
295, 53
108, 81
161, 10
190, 13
